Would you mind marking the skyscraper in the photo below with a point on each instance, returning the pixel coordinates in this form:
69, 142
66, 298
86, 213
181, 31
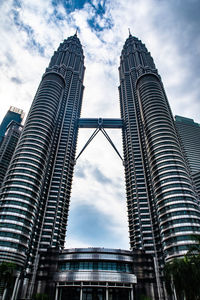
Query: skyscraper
36, 192
162, 208
7, 146
13, 114
189, 132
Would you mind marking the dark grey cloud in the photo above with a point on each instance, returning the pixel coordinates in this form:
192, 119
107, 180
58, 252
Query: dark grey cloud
85, 169
16, 80
100, 177
177, 23
181, 20
9, 58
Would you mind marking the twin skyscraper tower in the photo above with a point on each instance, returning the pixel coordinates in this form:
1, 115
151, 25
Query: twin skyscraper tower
163, 209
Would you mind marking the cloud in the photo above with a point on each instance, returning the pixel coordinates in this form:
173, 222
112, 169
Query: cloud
32, 30
16, 80
99, 176
80, 173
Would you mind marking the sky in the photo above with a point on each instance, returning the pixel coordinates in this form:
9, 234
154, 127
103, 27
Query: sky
30, 31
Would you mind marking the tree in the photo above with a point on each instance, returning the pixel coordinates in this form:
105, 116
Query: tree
7, 270
143, 297
41, 297
183, 274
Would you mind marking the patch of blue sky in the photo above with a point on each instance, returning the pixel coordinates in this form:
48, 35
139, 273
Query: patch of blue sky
94, 24
17, 3
70, 5
31, 44
99, 12
89, 225
80, 172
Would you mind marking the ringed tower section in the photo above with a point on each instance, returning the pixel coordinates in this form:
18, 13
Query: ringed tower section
162, 208
36, 190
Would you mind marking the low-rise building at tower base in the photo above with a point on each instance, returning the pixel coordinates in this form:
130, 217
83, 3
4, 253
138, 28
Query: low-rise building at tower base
93, 273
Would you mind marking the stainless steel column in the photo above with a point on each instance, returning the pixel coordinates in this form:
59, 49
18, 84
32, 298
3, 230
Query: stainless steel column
14, 294
81, 291
106, 291
60, 293
56, 294
132, 293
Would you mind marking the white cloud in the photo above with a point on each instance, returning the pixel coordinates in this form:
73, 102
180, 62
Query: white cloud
164, 28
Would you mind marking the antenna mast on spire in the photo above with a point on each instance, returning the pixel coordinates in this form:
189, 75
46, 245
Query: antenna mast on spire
76, 31
129, 31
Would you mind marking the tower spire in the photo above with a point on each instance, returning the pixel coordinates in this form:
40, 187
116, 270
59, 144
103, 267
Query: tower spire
76, 31
129, 31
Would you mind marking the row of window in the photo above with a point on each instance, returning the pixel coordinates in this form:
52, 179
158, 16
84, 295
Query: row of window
179, 221
85, 265
178, 205
176, 239
179, 213
31, 200
15, 226
176, 249
174, 192
175, 199
180, 229
16, 210
18, 203
17, 246
16, 218
13, 235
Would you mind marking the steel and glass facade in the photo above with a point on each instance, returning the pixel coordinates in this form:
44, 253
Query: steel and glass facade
189, 133
162, 207
92, 273
36, 192
13, 114
163, 210
7, 147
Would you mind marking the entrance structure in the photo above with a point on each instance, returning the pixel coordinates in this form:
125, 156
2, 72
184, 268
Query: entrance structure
163, 211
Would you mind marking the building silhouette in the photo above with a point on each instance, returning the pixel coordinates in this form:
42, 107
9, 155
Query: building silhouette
13, 114
162, 209
159, 190
189, 132
7, 146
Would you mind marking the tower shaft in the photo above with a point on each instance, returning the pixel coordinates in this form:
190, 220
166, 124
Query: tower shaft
162, 208
35, 195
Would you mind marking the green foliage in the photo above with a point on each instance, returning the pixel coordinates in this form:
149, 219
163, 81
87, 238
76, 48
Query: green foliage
41, 297
143, 297
184, 274
6, 273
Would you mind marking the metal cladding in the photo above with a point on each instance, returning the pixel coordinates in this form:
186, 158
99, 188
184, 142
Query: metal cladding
95, 264
189, 132
35, 195
162, 208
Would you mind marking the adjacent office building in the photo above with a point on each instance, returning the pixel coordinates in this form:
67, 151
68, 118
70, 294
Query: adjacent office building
162, 209
7, 147
189, 132
13, 114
